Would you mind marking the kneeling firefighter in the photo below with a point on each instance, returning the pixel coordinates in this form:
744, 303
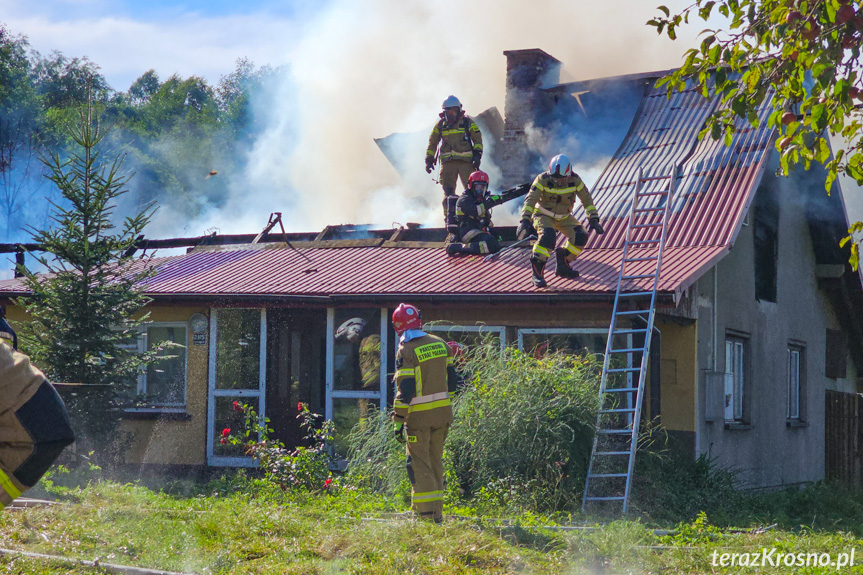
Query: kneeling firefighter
549, 205
34, 424
425, 378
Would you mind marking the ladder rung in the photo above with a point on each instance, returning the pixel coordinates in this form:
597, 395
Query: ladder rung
644, 242
646, 226
645, 259
662, 193
604, 498
637, 210
608, 475
611, 453
633, 312
625, 331
626, 350
618, 410
635, 293
614, 431
638, 277
652, 178
620, 389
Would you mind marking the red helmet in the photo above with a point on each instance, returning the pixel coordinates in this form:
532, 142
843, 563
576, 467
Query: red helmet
406, 317
478, 177
457, 349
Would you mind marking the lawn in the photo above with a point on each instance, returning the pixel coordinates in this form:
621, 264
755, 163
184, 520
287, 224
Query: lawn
238, 526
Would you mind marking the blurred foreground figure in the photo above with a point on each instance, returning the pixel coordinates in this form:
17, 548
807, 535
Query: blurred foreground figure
34, 424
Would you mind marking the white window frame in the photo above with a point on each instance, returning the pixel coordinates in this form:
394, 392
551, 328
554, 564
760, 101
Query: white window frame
143, 342
795, 388
331, 392
735, 379
248, 395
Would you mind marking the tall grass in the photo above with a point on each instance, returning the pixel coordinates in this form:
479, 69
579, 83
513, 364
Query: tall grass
521, 438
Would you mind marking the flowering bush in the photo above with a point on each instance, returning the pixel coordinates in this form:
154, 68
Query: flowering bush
306, 468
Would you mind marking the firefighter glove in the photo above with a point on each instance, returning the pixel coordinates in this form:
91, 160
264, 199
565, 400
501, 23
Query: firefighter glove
525, 230
477, 156
429, 163
595, 225
399, 432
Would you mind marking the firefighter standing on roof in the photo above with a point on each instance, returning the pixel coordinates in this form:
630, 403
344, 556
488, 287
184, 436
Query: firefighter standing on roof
460, 154
425, 377
34, 425
549, 205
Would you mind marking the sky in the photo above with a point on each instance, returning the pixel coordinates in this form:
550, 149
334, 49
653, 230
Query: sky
359, 70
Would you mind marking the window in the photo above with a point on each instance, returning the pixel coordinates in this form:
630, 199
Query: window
735, 379
796, 381
469, 335
766, 219
836, 355
538, 342
164, 383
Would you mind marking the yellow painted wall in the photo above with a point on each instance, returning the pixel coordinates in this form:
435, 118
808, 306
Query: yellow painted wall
679, 375
177, 442
164, 441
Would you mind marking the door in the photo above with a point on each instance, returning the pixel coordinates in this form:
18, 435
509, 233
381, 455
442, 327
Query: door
238, 342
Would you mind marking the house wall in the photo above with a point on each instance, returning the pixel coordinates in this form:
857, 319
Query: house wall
768, 450
678, 377
176, 441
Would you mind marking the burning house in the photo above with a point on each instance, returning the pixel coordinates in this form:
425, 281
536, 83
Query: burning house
758, 336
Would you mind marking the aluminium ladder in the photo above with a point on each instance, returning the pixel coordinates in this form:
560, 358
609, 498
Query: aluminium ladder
624, 369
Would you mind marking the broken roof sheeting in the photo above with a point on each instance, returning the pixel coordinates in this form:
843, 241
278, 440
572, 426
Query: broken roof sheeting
714, 183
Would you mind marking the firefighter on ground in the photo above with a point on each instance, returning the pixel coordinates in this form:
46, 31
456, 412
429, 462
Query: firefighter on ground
548, 207
34, 425
425, 378
473, 211
460, 154
369, 357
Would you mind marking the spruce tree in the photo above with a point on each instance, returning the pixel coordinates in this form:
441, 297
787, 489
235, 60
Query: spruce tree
87, 303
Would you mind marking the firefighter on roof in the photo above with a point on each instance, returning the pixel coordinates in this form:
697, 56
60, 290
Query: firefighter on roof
34, 425
548, 207
425, 377
460, 154
473, 211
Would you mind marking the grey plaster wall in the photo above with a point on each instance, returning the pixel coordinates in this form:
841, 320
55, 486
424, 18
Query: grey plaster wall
768, 451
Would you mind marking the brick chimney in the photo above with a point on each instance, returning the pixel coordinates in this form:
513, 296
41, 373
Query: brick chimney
527, 72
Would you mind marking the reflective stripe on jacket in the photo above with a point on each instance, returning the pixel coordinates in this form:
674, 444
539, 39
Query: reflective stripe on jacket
457, 142
556, 196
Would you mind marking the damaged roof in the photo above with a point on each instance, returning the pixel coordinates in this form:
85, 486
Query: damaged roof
714, 185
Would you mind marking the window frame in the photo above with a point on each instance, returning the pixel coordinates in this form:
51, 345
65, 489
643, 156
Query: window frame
563, 330
500, 330
799, 349
141, 347
737, 409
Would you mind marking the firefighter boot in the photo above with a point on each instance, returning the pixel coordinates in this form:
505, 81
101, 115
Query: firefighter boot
537, 267
563, 270
455, 249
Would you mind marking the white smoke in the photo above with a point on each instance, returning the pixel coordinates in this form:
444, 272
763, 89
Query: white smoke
363, 70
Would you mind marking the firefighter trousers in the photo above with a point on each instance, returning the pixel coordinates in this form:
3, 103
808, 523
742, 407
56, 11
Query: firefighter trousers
34, 425
425, 470
453, 171
570, 227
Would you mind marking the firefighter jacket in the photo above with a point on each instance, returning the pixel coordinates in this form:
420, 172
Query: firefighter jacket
457, 141
473, 216
555, 197
370, 361
425, 377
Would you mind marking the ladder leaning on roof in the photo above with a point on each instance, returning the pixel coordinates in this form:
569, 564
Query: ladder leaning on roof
624, 369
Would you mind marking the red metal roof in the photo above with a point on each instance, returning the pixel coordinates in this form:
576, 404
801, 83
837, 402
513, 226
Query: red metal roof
714, 186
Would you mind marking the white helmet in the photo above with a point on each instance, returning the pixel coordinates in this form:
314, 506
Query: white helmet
351, 329
451, 102
560, 166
